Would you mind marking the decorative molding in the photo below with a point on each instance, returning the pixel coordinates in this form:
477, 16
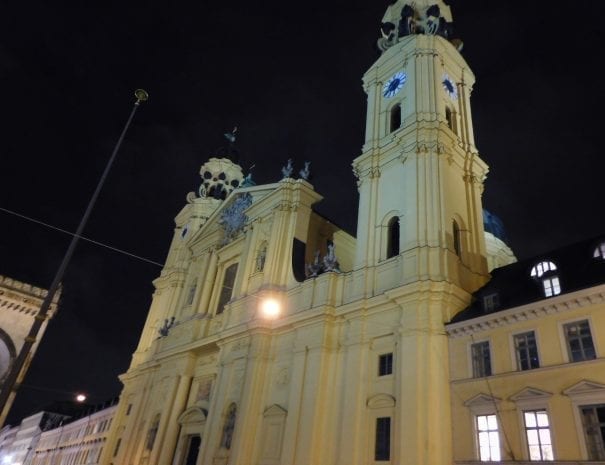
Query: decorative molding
381, 401
550, 306
531, 397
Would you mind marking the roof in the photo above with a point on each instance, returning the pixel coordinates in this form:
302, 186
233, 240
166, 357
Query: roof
512, 285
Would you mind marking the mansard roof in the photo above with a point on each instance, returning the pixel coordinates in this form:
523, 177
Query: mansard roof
511, 286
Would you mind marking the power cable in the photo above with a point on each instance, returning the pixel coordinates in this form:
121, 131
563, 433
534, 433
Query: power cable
50, 226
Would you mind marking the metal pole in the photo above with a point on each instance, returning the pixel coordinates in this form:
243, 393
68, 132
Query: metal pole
10, 386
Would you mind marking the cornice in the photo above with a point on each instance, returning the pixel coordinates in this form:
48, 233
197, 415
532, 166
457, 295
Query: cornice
562, 303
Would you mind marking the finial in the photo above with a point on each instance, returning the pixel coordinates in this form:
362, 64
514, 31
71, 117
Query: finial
305, 172
286, 171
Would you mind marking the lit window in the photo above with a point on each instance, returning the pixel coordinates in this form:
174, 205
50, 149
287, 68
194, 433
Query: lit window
599, 252
488, 438
382, 448
482, 365
593, 420
385, 364
537, 430
526, 351
551, 286
227, 287
491, 302
579, 341
541, 268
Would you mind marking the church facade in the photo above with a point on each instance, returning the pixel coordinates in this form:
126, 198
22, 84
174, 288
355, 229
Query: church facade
274, 337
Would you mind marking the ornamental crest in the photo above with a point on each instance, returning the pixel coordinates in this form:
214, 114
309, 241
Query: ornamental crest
233, 218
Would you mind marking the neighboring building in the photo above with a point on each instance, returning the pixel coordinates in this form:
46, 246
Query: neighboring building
274, 337
19, 305
526, 361
17, 444
77, 442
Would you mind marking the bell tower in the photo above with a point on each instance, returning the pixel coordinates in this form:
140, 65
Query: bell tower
420, 177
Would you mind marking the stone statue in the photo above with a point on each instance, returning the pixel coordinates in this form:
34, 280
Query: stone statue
164, 330
330, 262
286, 171
229, 427
315, 269
305, 172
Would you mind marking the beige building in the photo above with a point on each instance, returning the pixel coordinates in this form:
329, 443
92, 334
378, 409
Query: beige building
75, 442
19, 305
274, 337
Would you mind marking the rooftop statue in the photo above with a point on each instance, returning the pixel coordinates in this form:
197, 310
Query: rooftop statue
407, 17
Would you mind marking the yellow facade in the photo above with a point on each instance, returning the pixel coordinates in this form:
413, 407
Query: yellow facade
559, 385
365, 362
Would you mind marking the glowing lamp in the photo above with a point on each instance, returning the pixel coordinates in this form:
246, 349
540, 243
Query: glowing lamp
80, 397
270, 308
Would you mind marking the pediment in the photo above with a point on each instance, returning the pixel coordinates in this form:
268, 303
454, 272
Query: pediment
586, 390
275, 411
481, 400
192, 415
381, 401
530, 396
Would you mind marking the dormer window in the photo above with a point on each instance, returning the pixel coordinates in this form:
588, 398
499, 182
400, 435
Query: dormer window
538, 270
545, 271
599, 252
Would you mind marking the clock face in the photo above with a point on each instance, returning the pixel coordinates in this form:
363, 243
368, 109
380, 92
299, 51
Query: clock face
450, 87
394, 85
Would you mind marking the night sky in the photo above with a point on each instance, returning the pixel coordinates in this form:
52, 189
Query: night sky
289, 76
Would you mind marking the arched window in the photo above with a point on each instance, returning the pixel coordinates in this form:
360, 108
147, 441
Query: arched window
538, 270
227, 287
456, 236
550, 281
599, 252
393, 237
395, 118
449, 117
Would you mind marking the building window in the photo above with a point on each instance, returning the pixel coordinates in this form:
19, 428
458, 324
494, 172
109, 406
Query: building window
491, 302
382, 448
193, 450
449, 117
526, 351
593, 420
395, 118
550, 281
227, 287
457, 242
385, 364
393, 237
579, 341
537, 431
117, 449
480, 354
599, 252
551, 286
488, 438
538, 270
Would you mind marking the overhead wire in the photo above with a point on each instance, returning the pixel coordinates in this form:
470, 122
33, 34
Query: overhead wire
84, 238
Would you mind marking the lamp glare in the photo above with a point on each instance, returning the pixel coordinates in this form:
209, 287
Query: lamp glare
270, 308
80, 397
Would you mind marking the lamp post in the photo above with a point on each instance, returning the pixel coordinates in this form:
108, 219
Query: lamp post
10, 387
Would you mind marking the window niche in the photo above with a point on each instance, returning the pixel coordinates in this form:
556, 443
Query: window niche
227, 287
395, 118
393, 232
457, 239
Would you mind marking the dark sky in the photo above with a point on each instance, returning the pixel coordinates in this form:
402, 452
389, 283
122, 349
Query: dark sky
289, 76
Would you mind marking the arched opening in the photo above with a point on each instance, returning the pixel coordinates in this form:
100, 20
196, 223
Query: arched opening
449, 117
393, 237
457, 239
395, 118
